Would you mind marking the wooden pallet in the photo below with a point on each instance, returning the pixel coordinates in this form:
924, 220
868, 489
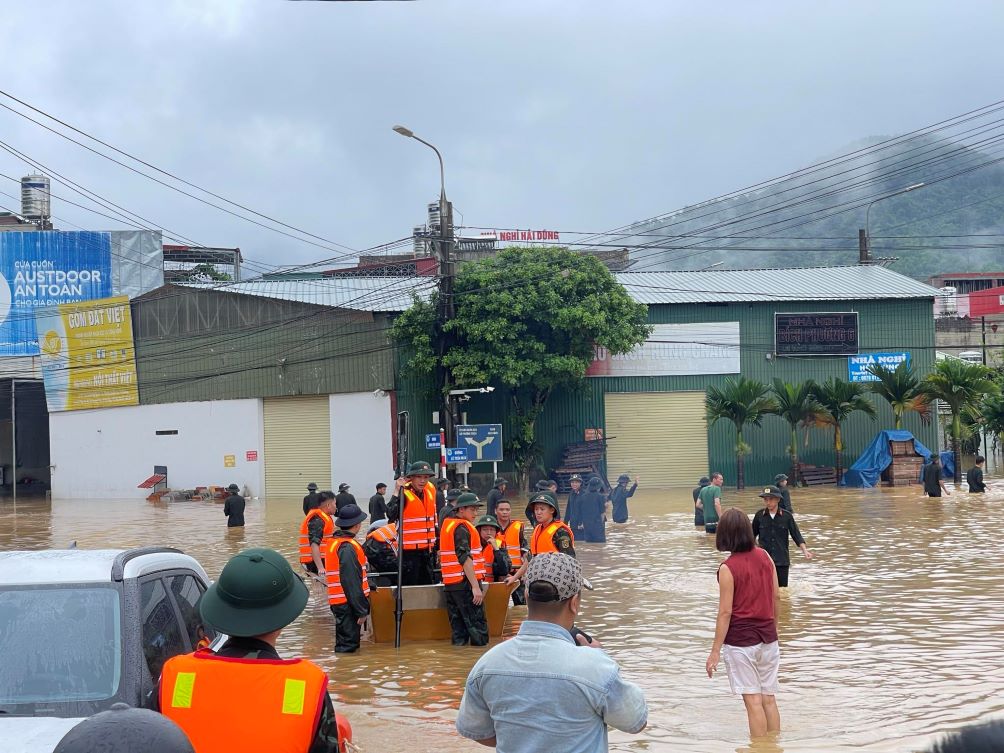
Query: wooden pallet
582, 458
817, 475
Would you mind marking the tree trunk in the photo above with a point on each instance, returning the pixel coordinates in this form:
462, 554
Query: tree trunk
898, 423
956, 453
794, 454
838, 447
740, 462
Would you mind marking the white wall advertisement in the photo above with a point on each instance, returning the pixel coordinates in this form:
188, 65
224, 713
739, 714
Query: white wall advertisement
676, 350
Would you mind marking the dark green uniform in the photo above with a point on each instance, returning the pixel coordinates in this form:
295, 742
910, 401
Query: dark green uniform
350, 572
467, 619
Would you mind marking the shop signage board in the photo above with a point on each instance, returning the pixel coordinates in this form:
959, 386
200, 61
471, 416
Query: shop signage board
675, 350
40, 270
482, 441
816, 334
87, 354
857, 366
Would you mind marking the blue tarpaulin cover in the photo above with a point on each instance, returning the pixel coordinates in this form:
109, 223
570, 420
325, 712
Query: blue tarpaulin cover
867, 469
948, 464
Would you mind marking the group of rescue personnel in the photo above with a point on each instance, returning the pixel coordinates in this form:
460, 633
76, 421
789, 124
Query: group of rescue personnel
442, 538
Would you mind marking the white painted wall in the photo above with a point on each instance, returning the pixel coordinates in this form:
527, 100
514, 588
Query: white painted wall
107, 452
362, 450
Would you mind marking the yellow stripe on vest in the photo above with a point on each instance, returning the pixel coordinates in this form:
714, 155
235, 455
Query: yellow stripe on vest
184, 684
293, 697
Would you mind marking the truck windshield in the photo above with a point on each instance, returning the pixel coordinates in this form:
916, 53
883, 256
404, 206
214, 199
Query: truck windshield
59, 645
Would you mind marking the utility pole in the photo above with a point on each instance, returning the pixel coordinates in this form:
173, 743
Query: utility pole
863, 255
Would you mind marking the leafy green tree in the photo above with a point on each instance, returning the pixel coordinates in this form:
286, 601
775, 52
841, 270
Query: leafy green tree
990, 416
527, 321
839, 400
961, 386
744, 402
205, 273
797, 405
901, 388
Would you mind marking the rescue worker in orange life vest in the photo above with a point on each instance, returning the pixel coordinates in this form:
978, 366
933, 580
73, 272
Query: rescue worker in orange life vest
414, 508
513, 536
255, 597
348, 587
550, 534
493, 551
380, 548
315, 533
463, 572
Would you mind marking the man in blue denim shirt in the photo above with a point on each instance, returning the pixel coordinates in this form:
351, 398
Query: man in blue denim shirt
540, 692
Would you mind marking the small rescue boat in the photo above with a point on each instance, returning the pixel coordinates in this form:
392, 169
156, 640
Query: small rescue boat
425, 617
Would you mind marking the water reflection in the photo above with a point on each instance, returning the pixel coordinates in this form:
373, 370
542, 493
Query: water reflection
888, 635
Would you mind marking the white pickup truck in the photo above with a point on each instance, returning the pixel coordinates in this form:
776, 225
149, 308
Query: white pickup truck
82, 630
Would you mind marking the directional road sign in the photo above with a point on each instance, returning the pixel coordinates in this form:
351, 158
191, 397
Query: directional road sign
432, 441
484, 442
457, 455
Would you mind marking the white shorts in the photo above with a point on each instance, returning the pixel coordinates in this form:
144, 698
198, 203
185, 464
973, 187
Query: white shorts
752, 669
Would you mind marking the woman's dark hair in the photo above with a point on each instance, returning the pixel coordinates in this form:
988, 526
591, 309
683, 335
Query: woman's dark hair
735, 532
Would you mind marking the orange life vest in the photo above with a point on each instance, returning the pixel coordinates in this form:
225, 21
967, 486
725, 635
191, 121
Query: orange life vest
418, 518
332, 566
488, 558
329, 528
386, 535
512, 539
453, 571
278, 702
542, 540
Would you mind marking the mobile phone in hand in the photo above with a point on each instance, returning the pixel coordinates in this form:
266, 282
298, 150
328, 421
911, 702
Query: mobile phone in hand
576, 633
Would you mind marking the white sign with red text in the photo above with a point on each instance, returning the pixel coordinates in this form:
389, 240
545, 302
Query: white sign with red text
676, 350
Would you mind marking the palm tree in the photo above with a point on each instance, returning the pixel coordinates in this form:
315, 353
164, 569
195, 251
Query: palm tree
744, 402
796, 405
901, 388
960, 385
839, 399
990, 415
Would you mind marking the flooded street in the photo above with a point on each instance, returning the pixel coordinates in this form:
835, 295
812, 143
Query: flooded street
892, 634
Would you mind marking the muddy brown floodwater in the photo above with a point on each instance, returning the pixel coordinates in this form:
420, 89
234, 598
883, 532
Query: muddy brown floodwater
891, 635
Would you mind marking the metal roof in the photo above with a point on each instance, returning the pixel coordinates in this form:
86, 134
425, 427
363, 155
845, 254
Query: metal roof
358, 293
851, 283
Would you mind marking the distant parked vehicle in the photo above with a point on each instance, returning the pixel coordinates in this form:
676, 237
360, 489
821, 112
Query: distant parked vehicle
973, 356
81, 630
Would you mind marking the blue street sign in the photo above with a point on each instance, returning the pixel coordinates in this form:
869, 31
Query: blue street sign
857, 366
456, 454
483, 441
432, 441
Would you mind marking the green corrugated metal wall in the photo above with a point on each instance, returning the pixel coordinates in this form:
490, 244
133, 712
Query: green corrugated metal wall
213, 345
893, 325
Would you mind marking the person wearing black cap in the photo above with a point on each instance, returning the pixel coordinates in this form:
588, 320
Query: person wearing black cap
497, 492
378, 504
463, 573
619, 496
571, 513
781, 482
312, 500
207, 694
442, 487
233, 507
348, 585
772, 526
698, 505
344, 497
447, 509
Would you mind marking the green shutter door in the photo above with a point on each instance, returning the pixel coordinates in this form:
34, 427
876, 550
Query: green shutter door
297, 445
660, 436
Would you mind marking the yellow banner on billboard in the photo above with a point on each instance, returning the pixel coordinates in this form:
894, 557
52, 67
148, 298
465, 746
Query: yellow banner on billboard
88, 360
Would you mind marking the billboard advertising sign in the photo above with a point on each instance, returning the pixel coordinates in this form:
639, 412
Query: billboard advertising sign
822, 334
857, 366
38, 270
676, 350
88, 359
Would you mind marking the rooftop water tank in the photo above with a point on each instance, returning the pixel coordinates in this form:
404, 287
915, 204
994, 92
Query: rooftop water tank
35, 197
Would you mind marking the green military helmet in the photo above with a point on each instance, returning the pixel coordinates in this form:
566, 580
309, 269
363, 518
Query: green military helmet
488, 520
256, 593
467, 499
548, 499
420, 468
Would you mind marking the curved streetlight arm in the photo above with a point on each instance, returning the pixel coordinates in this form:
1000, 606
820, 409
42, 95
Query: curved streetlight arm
868, 211
409, 134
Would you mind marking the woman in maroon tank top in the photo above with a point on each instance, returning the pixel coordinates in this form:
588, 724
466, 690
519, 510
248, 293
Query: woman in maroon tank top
746, 630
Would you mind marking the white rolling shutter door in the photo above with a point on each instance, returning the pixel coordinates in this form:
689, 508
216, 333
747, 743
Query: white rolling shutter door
297, 445
660, 436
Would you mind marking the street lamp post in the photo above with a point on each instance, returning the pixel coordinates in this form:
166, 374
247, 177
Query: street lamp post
864, 237
445, 310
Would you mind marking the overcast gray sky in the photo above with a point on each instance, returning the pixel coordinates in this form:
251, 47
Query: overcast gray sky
565, 115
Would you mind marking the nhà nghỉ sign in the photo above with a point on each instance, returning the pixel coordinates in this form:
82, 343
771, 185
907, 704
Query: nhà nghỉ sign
87, 354
676, 350
857, 366
816, 334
